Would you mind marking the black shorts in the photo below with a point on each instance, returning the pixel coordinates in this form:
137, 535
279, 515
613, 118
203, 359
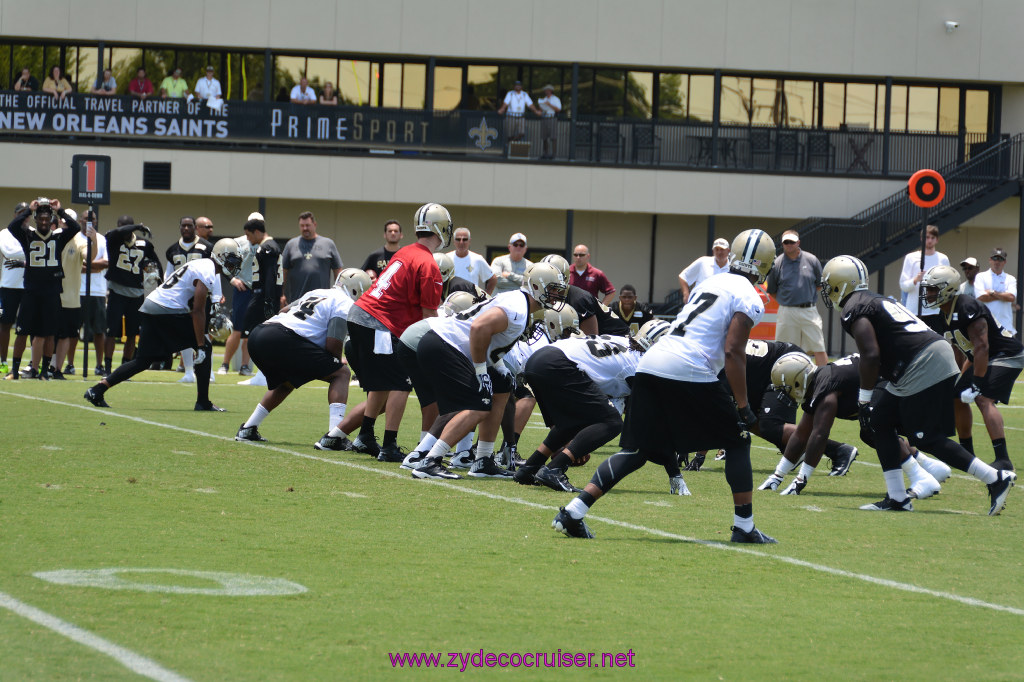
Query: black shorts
522, 389
285, 357
163, 335
70, 321
774, 408
39, 314
10, 299
239, 305
125, 307
453, 376
920, 417
999, 382
424, 389
665, 416
376, 372
566, 395
94, 315
255, 314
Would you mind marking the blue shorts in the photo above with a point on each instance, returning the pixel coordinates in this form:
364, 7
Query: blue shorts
239, 304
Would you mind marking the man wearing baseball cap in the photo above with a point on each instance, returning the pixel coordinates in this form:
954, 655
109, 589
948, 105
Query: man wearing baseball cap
509, 268
970, 267
998, 290
705, 266
794, 281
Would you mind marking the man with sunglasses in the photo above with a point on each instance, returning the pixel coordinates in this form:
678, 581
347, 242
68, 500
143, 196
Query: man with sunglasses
470, 265
587, 277
509, 269
998, 290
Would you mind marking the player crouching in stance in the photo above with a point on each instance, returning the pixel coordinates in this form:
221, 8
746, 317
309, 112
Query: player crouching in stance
994, 357
575, 382
174, 318
461, 356
897, 346
302, 343
679, 405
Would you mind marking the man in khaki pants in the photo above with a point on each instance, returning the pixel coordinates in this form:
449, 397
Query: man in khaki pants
794, 280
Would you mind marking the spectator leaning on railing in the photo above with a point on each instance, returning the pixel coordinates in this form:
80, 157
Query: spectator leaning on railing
140, 86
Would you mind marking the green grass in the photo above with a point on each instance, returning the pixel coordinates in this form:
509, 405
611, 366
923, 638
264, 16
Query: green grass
394, 565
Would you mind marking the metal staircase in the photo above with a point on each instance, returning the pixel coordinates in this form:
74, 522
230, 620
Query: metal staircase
886, 231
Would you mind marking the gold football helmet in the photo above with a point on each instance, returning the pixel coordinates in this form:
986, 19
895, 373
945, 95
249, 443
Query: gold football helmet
436, 219
227, 254
545, 284
790, 374
650, 332
840, 277
446, 264
456, 302
558, 262
354, 282
943, 282
560, 324
752, 254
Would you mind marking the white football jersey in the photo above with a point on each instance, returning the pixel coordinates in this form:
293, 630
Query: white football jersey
516, 357
178, 289
694, 349
311, 315
455, 330
607, 360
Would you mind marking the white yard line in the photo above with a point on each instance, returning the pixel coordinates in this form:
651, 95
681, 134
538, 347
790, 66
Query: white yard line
905, 587
129, 659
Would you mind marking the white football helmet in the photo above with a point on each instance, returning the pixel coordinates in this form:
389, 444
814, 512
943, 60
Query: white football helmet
650, 332
151, 276
790, 374
840, 277
545, 284
354, 281
560, 324
436, 219
558, 262
944, 281
752, 254
220, 323
457, 302
227, 254
446, 265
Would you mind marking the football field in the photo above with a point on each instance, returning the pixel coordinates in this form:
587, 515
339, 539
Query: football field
144, 542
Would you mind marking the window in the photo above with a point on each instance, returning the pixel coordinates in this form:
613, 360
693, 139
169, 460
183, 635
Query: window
481, 88
414, 85
898, 109
447, 87
976, 117
949, 110
354, 82
736, 103
639, 94
320, 71
860, 105
609, 86
923, 109
799, 104
833, 105
702, 98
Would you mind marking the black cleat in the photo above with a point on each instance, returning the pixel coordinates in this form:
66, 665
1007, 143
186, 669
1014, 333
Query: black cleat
208, 407
574, 528
333, 443
69, 369
556, 480
753, 537
696, 463
435, 470
845, 454
998, 491
250, 433
391, 453
1002, 465
889, 504
96, 398
366, 446
485, 467
57, 374
524, 475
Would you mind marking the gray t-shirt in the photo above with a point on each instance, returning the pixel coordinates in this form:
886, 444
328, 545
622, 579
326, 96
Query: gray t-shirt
309, 263
795, 282
515, 269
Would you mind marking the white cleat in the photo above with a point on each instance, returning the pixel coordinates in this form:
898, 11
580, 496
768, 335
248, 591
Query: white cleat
940, 471
187, 379
924, 488
771, 483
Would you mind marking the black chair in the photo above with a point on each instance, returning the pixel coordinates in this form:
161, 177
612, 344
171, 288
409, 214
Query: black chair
584, 140
787, 150
609, 140
760, 145
820, 149
646, 143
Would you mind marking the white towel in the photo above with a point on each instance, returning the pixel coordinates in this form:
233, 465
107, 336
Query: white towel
382, 342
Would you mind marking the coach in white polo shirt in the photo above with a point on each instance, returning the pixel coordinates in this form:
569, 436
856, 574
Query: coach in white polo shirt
470, 265
998, 290
516, 102
705, 266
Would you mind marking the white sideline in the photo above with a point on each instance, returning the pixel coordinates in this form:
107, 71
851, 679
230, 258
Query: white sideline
905, 587
129, 659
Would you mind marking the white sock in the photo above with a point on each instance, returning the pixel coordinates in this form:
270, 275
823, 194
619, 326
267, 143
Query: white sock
337, 411
423, 434
335, 432
806, 470
188, 358
484, 449
983, 472
466, 443
439, 450
783, 467
744, 524
894, 484
426, 443
258, 415
577, 509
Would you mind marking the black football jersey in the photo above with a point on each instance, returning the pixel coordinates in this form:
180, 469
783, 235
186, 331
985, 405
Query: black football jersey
43, 269
640, 316
266, 268
841, 377
178, 255
967, 310
901, 334
761, 356
587, 306
457, 283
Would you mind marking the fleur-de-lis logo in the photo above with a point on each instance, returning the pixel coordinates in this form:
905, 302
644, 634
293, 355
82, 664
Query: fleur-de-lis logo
483, 134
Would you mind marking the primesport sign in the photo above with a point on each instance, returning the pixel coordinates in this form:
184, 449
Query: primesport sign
90, 180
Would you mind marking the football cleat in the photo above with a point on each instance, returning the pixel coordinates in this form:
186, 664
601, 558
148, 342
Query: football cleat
256, 380
1002, 465
796, 487
999, 490
889, 504
245, 371
189, 378
924, 487
32, 373
333, 443
391, 453
368, 446
771, 483
57, 374
845, 455
69, 370
486, 468
720, 456
524, 474
435, 470
208, 407
940, 471
223, 369
95, 398
462, 460
751, 537
413, 460
100, 371
554, 479
574, 528
250, 433
697, 462
677, 486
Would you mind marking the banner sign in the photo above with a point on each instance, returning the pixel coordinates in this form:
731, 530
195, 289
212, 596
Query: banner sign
94, 116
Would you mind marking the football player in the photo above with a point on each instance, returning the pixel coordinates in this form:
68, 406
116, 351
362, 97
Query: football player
462, 358
595, 317
451, 282
189, 247
679, 405
39, 311
128, 246
267, 281
302, 343
994, 357
897, 346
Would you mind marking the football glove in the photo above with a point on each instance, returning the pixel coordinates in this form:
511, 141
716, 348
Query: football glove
14, 263
864, 417
969, 394
200, 356
484, 386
